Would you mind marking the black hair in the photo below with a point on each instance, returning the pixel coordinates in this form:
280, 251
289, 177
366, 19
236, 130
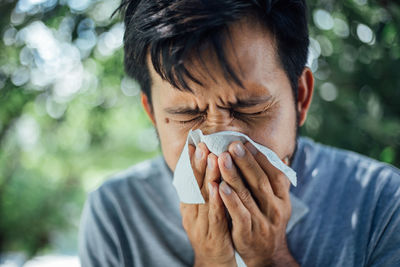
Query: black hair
170, 30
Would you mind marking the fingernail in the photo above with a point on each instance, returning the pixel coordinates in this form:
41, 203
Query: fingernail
226, 188
198, 153
210, 189
252, 149
210, 163
239, 151
227, 161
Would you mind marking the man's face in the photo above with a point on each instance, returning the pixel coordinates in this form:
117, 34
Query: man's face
264, 110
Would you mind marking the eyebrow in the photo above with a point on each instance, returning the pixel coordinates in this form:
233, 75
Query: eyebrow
245, 103
240, 103
184, 110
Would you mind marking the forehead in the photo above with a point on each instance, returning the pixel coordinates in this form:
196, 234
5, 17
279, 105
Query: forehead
250, 50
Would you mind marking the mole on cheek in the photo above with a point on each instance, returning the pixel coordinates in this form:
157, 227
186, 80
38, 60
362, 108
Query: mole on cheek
166, 120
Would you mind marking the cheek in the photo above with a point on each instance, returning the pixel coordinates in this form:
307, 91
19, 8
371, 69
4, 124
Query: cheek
278, 133
172, 142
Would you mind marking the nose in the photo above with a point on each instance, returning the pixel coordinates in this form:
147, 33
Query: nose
218, 120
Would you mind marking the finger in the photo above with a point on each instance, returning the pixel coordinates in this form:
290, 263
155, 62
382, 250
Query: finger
188, 213
218, 224
212, 175
198, 160
231, 176
279, 183
255, 176
241, 217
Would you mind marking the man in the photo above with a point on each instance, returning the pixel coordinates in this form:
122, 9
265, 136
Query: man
240, 66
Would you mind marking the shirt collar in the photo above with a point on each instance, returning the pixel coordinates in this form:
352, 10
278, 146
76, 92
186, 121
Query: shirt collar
299, 210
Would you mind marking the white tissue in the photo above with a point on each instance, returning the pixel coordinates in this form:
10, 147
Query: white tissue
184, 180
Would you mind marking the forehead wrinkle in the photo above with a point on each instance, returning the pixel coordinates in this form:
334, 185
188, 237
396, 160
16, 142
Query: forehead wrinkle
221, 102
228, 96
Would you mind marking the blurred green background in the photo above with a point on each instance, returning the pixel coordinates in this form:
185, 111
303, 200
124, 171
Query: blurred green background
69, 117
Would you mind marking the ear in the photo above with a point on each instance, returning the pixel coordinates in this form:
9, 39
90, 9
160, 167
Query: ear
304, 94
148, 108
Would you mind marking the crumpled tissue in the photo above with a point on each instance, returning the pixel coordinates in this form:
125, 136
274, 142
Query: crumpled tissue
184, 180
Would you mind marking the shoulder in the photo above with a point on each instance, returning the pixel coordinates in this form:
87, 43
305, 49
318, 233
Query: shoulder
313, 158
105, 220
141, 172
354, 200
123, 193
351, 177
128, 181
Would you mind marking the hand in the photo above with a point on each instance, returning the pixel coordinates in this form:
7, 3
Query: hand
260, 210
206, 224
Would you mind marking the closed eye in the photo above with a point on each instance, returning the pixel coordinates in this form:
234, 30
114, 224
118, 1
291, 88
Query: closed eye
236, 113
196, 119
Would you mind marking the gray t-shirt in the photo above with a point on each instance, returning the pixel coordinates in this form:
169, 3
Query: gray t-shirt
346, 212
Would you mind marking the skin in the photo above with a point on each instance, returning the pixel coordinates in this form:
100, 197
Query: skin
255, 194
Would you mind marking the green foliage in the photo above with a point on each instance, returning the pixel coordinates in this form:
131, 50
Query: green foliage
59, 143
356, 102
69, 117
